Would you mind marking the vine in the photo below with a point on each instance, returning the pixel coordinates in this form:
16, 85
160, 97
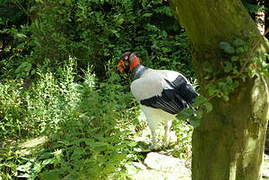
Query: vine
242, 60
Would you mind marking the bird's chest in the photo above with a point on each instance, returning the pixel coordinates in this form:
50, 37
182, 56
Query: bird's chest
156, 115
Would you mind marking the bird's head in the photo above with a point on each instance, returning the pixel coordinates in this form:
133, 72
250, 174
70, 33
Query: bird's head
128, 62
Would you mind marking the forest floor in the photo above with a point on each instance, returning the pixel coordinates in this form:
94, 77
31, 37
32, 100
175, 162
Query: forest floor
158, 165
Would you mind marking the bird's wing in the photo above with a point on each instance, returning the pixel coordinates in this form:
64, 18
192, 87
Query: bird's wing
181, 84
160, 89
150, 84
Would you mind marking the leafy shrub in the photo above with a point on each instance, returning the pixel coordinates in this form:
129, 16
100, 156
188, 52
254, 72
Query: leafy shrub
95, 32
12, 112
88, 128
88, 114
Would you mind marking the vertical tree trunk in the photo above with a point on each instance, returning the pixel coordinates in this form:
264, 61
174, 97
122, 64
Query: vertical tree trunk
229, 143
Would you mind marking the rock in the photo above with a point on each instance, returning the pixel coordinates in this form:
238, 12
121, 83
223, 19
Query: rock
159, 167
165, 163
140, 165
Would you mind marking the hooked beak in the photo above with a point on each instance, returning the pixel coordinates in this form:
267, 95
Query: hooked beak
121, 66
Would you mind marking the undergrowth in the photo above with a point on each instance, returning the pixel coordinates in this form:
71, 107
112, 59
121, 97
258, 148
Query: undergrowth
87, 127
87, 114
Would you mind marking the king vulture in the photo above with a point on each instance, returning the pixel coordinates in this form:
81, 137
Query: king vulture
161, 93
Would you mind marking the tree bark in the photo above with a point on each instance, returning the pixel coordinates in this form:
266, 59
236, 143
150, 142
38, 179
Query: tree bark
229, 143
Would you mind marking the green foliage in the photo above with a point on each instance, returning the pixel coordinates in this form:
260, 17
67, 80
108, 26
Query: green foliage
184, 133
238, 64
88, 128
226, 47
94, 32
89, 124
47, 87
255, 6
12, 111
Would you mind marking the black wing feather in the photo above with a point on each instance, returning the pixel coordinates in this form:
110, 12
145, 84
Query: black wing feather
185, 90
169, 101
173, 100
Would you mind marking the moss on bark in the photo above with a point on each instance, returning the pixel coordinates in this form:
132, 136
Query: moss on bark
229, 143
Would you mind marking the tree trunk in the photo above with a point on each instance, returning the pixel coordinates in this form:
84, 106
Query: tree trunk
229, 143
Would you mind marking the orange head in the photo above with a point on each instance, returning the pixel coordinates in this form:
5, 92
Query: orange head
128, 62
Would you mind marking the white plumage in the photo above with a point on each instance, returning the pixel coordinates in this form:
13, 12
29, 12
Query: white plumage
161, 93
153, 83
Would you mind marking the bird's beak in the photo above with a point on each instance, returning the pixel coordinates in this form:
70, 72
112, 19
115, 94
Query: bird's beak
121, 66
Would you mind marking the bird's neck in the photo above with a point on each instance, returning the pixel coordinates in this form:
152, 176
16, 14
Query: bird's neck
138, 71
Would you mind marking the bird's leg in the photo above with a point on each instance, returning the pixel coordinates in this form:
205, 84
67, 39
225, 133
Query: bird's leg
153, 137
166, 133
152, 128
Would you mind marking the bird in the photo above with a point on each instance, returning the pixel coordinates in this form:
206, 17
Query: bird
162, 94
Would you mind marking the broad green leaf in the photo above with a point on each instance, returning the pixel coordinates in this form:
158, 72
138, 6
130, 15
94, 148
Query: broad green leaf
208, 107
226, 47
147, 14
